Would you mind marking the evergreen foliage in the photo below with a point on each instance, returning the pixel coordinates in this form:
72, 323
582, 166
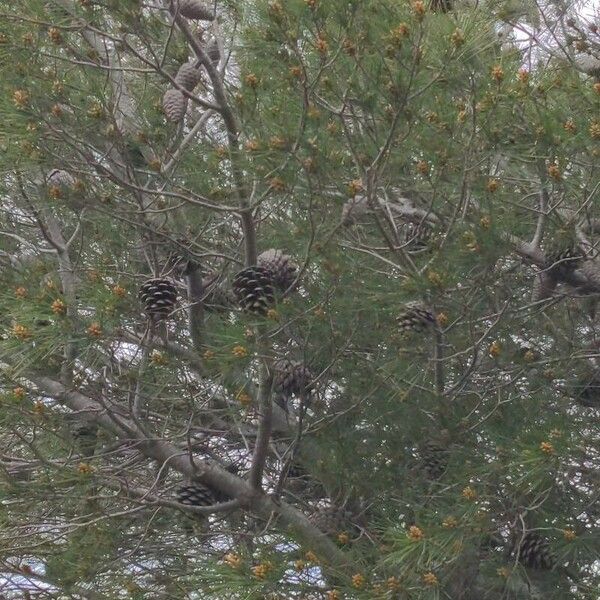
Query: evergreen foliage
299, 299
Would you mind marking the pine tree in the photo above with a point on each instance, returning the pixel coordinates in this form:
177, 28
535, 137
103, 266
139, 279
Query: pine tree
299, 299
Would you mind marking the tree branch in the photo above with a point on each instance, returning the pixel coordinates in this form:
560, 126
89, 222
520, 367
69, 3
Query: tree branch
265, 409
211, 474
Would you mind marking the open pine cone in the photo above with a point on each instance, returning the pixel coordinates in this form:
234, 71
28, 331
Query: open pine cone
417, 236
253, 288
195, 494
280, 266
533, 551
415, 318
158, 297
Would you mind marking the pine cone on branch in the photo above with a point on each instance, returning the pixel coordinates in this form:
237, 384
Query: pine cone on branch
417, 236
533, 551
195, 9
415, 318
158, 296
174, 105
213, 52
332, 520
84, 434
253, 288
195, 494
280, 266
434, 457
188, 76
291, 378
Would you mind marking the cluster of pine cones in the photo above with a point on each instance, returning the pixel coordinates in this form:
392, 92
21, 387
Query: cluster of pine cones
254, 288
189, 75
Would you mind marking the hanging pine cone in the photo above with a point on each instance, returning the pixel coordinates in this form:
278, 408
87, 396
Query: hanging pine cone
188, 76
586, 390
297, 471
194, 9
440, 5
417, 236
415, 318
280, 266
332, 520
590, 269
195, 494
562, 263
213, 52
60, 178
291, 378
543, 286
158, 297
533, 551
174, 105
434, 457
354, 209
253, 289
84, 434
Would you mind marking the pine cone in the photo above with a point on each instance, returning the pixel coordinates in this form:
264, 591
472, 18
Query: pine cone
332, 520
440, 5
586, 391
174, 105
354, 209
590, 269
417, 236
415, 318
194, 9
533, 551
195, 494
188, 76
60, 179
253, 289
434, 457
291, 378
562, 263
213, 52
158, 296
84, 434
543, 286
280, 266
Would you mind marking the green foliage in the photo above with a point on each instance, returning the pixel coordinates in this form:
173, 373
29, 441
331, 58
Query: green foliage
417, 121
